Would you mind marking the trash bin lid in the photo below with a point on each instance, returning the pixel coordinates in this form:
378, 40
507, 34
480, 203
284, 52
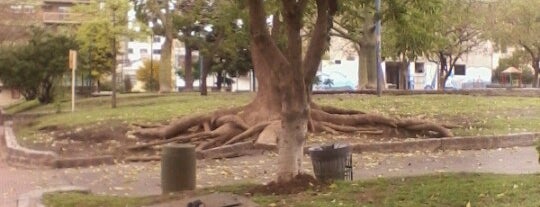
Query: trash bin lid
331, 151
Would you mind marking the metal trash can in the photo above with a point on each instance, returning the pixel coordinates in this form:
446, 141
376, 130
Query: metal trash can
332, 162
178, 167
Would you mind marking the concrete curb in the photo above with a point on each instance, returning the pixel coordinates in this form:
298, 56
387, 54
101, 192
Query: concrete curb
452, 143
486, 92
34, 198
436, 144
17, 155
21, 156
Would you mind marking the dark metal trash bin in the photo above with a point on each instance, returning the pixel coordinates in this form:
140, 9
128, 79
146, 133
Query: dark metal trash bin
332, 162
178, 167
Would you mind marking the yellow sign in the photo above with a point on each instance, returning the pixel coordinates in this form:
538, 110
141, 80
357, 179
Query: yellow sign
72, 59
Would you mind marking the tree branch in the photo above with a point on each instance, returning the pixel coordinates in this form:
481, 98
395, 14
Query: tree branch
343, 34
261, 42
318, 42
528, 49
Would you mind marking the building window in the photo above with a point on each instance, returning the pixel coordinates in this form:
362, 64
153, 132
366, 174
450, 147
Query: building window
419, 67
16, 8
459, 70
156, 39
143, 51
28, 9
63, 9
130, 50
156, 52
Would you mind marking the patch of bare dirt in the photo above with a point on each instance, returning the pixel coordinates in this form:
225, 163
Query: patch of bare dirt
301, 183
106, 138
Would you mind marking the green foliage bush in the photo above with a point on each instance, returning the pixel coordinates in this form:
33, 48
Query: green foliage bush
36, 67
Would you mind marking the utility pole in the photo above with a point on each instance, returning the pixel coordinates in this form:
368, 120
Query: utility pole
378, 47
113, 101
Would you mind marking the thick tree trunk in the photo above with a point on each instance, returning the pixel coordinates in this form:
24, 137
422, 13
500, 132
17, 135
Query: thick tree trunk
294, 103
266, 105
368, 61
219, 81
362, 70
165, 66
207, 65
443, 69
536, 68
403, 75
535, 81
188, 69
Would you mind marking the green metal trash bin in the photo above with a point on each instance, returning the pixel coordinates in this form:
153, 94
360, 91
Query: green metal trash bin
178, 166
332, 162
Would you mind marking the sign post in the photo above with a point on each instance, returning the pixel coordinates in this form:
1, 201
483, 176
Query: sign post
73, 67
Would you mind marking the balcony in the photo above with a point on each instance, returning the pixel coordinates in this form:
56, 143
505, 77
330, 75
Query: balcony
67, 1
60, 18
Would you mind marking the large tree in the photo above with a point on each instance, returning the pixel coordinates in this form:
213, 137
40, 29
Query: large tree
517, 24
411, 35
95, 50
103, 24
356, 23
161, 13
459, 32
217, 34
282, 108
185, 22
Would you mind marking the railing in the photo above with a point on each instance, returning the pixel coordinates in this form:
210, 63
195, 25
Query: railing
60, 17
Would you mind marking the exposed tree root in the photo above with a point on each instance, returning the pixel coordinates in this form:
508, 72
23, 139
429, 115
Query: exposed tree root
224, 133
250, 132
227, 127
179, 139
334, 110
344, 128
173, 129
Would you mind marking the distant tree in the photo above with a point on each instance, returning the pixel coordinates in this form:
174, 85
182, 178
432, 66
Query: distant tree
232, 65
95, 50
161, 13
458, 32
103, 24
410, 35
34, 68
520, 59
356, 21
186, 24
516, 23
150, 78
219, 37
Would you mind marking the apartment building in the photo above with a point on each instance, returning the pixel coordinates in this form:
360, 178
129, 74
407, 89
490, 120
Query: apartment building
54, 12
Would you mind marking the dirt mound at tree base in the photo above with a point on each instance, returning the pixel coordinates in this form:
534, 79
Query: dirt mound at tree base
300, 183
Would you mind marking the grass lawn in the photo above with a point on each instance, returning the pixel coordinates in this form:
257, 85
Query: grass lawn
479, 115
432, 190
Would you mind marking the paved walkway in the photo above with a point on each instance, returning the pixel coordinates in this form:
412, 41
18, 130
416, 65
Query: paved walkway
144, 178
